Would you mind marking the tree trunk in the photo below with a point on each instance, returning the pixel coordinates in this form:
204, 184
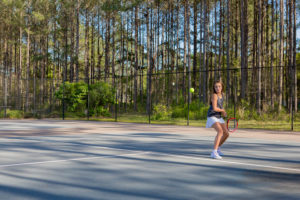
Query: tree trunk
65, 71
177, 51
162, 52
28, 70
172, 44
220, 39
72, 63
148, 60
189, 51
200, 54
107, 47
136, 58
254, 54
195, 44
205, 27
19, 81
281, 64
54, 67
5, 73
113, 53
77, 40
236, 29
127, 64
244, 48
86, 47
99, 55
272, 57
259, 39
228, 53
290, 55
92, 71
121, 59
184, 54
34, 66
294, 57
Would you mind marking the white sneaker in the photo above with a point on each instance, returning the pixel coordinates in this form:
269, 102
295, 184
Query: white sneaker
215, 155
219, 152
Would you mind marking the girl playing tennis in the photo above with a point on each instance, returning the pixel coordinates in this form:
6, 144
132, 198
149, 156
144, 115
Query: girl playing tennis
215, 120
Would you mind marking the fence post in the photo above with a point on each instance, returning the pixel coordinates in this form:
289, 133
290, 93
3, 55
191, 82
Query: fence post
5, 94
63, 106
235, 97
88, 98
292, 102
189, 97
149, 96
116, 105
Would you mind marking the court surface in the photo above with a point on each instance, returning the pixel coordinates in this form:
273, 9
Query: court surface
52, 159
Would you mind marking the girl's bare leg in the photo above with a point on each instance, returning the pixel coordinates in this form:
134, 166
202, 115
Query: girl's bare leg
217, 126
225, 134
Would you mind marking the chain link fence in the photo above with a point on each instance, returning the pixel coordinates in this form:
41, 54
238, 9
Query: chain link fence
156, 97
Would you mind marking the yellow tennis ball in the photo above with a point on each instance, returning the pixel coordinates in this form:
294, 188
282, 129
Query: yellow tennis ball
192, 90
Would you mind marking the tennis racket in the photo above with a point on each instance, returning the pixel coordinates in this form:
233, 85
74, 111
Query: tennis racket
232, 124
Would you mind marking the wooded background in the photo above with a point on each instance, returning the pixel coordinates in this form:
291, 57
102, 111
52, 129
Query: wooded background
150, 51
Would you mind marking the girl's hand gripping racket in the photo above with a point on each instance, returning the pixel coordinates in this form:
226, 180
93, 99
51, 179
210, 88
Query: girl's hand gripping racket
232, 124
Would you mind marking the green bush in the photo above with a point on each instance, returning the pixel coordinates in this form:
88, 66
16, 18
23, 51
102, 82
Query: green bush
74, 95
101, 95
101, 111
178, 112
197, 111
246, 111
203, 111
160, 112
12, 114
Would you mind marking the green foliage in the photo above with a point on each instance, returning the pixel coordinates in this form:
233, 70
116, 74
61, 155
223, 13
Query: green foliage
197, 111
100, 96
160, 112
12, 114
246, 111
202, 112
178, 112
38, 16
101, 111
75, 95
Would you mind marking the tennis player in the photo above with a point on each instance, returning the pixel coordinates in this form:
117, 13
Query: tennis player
215, 120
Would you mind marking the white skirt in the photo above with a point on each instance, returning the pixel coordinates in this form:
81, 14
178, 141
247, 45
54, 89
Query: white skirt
211, 120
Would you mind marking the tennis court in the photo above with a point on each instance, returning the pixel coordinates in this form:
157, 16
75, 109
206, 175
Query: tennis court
52, 159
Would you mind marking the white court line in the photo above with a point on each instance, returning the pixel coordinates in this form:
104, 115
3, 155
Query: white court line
233, 162
72, 159
213, 160
148, 152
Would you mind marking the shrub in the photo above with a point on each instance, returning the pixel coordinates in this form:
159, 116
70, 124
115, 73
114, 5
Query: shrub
160, 112
74, 95
197, 111
101, 95
12, 114
101, 111
178, 112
